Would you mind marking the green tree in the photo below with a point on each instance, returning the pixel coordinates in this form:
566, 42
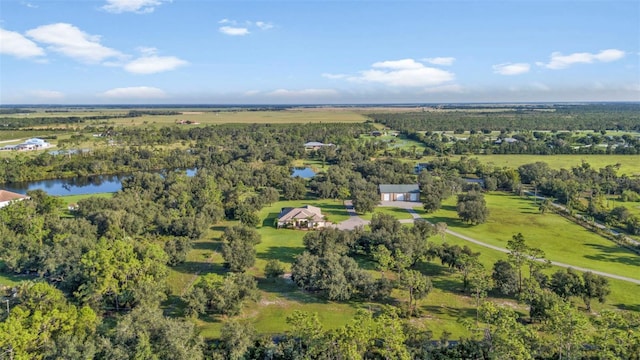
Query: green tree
145, 333
505, 277
518, 255
41, 318
273, 269
237, 337
238, 249
566, 283
594, 287
506, 337
418, 286
569, 329
472, 208
123, 275
222, 295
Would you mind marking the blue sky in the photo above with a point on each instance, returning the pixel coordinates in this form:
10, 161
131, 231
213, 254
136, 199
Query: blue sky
329, 52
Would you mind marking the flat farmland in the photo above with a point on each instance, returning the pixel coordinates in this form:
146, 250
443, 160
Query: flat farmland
207, 117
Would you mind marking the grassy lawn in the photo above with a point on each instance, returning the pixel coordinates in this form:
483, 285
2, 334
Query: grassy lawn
560, 239
73, 199
398, 213
630, 163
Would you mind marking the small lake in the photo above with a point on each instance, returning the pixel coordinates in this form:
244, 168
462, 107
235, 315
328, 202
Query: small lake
74, 186
305, 173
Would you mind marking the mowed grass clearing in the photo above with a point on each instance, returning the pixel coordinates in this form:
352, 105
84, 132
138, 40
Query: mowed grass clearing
559, 238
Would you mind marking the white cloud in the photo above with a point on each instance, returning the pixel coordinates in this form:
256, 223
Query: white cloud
304, 92
13, 43
73, 42
154, 64
445, 61
235, 28
29, 5
559, 61
47, 94
404, 73
511, 69
264, 25
136, 6
404, 64
335, 76
136, 92
234, 31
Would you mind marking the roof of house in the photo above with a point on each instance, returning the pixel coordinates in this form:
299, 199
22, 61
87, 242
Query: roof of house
315, 143
8, 196
305, 212
399, 188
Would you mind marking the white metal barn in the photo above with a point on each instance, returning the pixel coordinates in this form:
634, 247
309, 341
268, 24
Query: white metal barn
402, 192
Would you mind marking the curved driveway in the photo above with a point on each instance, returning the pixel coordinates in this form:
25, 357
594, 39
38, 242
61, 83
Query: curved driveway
355, 221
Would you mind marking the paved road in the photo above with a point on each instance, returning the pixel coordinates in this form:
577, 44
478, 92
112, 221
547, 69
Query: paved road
355, 221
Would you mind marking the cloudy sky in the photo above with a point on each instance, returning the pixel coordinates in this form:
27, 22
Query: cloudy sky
322, 51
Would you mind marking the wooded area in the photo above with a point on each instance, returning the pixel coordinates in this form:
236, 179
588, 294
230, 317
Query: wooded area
94, 282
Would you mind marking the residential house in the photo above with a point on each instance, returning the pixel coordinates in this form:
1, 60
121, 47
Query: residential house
306, 217
7, 197
400, 192
314, 145
508, 140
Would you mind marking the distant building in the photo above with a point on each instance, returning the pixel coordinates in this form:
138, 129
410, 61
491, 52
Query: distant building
314, 145
508, 140
400, 192
31, 144
7, 197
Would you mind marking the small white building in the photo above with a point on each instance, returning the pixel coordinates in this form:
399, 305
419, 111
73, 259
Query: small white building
400, 192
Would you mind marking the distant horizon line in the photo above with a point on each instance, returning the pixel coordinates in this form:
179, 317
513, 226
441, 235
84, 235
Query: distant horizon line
392, 104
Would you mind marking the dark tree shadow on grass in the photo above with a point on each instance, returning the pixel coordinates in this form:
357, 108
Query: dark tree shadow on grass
282, 253
458, 313
200, 267
628, 307
613, 254
288, 290
450, 284
207, 245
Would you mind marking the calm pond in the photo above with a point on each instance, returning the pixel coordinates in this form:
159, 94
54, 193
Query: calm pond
305, 173
98, 183
74, 186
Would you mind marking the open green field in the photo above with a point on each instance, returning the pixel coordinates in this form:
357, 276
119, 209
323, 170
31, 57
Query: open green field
630, 164
398, 213
559, 238
206, 117
73, 199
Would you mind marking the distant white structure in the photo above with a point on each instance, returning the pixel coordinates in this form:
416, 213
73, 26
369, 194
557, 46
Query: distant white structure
31, 144
508, 140
314, 145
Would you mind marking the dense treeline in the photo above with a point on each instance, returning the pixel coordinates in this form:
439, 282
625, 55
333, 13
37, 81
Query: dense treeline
560, 117
137, 150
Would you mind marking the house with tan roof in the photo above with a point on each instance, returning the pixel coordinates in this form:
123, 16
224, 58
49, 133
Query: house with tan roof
7, 197
306, 217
